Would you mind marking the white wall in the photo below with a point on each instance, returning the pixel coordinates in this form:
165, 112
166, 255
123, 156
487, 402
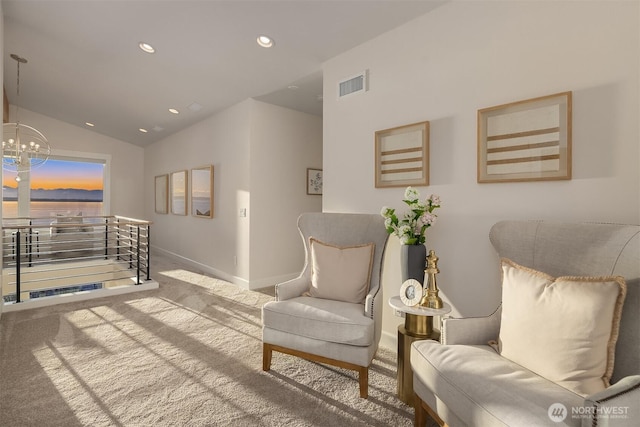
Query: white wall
222, 141
284, 143
464, 56
260, 153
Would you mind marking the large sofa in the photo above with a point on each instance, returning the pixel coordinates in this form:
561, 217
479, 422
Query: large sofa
470, 379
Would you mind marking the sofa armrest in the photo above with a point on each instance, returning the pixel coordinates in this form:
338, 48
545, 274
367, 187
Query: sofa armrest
471, 330
616, 405
292, 288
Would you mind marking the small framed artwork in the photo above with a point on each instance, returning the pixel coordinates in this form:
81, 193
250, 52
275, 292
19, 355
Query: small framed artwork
402, 156
527, 140
314, 181
162, 193
178, 185
202, 192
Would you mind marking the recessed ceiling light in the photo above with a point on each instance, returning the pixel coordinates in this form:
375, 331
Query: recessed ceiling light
143, 130
264, 41
293, 87
89, 124
174, 111
146, 47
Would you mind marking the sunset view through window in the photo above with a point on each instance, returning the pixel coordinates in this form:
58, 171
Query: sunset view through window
58, 187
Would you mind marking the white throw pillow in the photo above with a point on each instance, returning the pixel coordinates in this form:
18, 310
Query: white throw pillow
564, 329
340, 273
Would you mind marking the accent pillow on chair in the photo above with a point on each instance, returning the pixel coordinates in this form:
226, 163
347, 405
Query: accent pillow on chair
564, 329
340, 273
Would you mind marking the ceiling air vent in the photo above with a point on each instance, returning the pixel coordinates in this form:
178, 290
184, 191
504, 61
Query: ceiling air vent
353, 85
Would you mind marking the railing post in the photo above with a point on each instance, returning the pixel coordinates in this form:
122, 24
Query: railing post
18, 266
138, 256
106, 238
117, 239
30, 244
130, 245
148, 252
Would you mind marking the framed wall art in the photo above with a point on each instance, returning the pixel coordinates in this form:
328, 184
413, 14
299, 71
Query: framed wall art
314, 181
528, 140
402, 156
178, 185
202, 192
162, 193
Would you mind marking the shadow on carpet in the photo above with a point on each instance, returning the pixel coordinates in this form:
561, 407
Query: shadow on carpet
188, 353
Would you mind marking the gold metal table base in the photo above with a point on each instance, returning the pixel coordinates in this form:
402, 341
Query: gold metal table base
416, 327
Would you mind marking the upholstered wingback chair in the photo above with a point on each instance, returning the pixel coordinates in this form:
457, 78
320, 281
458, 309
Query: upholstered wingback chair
463, 381
318, 321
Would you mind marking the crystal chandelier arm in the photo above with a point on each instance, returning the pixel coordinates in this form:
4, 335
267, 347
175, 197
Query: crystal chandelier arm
23, 147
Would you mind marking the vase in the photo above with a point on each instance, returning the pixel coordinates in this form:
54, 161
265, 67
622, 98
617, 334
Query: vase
413, 261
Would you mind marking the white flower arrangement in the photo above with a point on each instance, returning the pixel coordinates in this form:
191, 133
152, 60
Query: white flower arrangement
414, 223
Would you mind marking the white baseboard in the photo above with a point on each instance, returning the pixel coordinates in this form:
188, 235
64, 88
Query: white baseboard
243, 283
202, 267
389, 341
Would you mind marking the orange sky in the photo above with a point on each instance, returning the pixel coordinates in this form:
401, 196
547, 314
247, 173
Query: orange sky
62, 174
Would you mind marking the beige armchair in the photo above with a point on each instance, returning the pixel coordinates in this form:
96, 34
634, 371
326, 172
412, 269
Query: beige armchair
332, 312
568, 270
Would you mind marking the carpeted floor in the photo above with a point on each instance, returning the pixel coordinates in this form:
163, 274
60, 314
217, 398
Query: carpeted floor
187, 354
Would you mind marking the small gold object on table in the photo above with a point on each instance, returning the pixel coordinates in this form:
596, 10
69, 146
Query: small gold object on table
431, 298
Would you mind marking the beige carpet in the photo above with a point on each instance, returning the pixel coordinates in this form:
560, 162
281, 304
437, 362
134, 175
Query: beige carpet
187, 354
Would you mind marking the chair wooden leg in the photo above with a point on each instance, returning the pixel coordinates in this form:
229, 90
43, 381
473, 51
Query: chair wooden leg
420, 418
363, 371
421, 412
266, 356
363, 376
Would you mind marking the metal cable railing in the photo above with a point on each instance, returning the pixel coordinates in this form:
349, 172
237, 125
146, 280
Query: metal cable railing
57, 255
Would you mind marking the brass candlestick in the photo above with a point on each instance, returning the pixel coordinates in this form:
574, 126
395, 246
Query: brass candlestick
431, 298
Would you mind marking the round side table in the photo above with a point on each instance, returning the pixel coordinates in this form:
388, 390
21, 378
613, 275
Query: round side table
418, 325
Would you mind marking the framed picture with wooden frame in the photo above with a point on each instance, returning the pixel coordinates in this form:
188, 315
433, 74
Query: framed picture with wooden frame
179, 197
527, 140
202, 192
162, 193
402, 156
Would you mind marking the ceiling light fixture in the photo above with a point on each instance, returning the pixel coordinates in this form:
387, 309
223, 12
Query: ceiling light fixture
265, 41
146, 47
143, 130
174, 111
89, 124
23, 147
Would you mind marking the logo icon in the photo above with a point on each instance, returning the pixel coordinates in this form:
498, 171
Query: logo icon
557, 412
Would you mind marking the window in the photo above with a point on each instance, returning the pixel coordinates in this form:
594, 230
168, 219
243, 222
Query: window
62, 185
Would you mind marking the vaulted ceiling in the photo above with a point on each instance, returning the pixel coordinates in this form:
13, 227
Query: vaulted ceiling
85, 64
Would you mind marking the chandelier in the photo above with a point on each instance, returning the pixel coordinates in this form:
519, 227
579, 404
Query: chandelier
23, 147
